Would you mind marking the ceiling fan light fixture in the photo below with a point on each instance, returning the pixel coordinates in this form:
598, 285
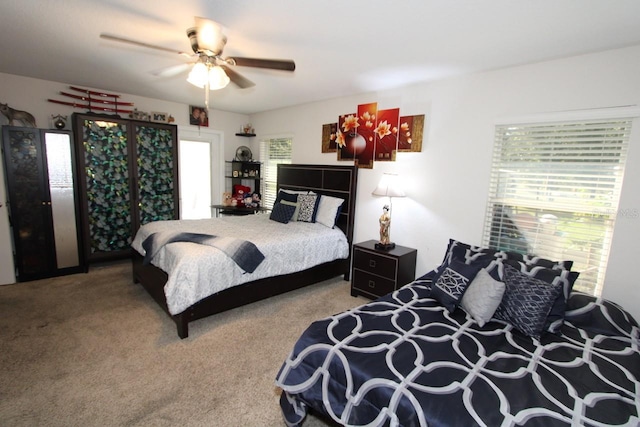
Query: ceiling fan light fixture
218, 79
198, 75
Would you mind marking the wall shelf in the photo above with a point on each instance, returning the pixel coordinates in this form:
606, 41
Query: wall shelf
246, 134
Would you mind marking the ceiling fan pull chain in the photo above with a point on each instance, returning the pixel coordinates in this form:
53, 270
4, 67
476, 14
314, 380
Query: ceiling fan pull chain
206, 96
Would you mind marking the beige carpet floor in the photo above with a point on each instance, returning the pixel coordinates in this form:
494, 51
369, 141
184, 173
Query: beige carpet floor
95, 350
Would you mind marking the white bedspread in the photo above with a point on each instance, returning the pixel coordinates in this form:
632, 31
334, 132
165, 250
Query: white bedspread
197, 271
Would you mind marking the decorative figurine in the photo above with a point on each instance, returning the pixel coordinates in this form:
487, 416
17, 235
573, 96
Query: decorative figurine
385, 222
16, 117
59, 121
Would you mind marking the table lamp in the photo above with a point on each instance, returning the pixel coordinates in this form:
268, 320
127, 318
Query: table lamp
390, 187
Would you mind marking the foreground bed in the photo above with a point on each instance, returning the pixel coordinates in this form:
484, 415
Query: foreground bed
334, 181
406, 360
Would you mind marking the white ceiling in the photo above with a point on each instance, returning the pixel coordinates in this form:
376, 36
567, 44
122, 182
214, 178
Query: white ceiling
341, 47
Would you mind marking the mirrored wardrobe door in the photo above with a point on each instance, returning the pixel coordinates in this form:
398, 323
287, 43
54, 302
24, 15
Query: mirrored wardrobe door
58, 149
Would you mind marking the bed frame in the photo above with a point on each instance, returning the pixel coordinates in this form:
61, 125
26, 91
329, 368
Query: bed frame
337, 181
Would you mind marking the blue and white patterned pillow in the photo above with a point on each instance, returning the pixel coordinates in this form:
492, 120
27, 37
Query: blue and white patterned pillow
527, 301
450, 285
307, 207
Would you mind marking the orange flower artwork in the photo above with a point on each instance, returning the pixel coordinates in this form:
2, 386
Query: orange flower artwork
410, 133
329, 138
367, 116
387, 134
371, 134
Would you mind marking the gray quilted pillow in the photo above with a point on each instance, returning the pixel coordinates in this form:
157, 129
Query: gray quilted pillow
482, 297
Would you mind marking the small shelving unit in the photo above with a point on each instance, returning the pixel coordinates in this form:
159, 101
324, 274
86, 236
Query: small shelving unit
244, 173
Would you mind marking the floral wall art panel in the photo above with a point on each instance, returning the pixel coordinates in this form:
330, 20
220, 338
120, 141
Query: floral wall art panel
347, 124
411, 131
329, 136
365, 140
386, 134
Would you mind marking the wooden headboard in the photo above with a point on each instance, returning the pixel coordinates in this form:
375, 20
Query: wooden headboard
336, 181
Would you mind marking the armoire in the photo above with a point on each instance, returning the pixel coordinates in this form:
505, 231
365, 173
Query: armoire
42, 200
128, 176
79, 198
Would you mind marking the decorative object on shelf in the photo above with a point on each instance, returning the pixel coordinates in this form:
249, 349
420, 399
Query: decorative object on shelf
247, 128
227, 199
91, 98
372, 135
58, 122
17, 117
139, 115
159, 117
389, 186
243, 154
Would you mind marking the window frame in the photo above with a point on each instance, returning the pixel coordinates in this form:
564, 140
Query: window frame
496, 197
270, 169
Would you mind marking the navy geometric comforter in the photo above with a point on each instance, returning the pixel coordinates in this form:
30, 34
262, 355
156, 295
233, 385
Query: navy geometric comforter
404, 360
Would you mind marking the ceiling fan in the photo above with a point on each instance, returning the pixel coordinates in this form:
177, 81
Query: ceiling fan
215, 71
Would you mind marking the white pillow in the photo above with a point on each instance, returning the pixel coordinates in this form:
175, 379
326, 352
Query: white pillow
328, 210
482, 297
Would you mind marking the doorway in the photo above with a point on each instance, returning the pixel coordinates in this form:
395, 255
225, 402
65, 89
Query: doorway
200, 154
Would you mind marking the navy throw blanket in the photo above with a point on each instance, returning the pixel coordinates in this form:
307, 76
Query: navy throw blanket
245, 254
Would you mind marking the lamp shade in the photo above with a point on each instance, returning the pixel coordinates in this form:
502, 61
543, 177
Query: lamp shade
201, 72
198, 75
389, 186
217, 78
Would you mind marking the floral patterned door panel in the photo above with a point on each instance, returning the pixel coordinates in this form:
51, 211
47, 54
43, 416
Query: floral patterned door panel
156, 182
107, 177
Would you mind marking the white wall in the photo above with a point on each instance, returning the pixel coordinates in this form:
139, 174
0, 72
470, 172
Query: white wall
447, 182
24, 93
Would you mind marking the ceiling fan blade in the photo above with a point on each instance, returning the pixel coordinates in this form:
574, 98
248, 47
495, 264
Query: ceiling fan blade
240, 81
141, 44
273, 64
173, 70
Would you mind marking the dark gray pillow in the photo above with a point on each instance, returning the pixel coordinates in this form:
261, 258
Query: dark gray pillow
527, 301
452, 282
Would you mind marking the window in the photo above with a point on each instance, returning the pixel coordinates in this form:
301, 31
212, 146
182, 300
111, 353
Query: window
554, 192
272, 152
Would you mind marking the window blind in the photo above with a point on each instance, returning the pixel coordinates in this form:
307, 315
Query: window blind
554, 192
272, 152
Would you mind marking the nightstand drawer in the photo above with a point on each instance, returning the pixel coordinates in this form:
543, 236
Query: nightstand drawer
372, 284
374, 263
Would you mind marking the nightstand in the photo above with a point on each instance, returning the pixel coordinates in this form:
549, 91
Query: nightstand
377, 272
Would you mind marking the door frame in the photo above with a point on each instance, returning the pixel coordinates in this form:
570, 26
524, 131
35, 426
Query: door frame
213, 137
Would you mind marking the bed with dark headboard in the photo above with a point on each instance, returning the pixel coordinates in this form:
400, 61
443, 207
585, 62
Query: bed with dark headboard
329, 180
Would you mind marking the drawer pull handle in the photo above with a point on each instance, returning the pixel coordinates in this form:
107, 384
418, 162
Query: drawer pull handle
372, 284
372, 263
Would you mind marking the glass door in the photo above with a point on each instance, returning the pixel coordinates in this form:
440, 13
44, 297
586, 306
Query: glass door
195, 179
